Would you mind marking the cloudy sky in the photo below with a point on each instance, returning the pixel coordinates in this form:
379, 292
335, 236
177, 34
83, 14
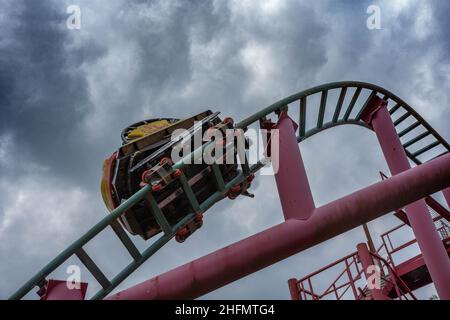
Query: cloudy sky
65, 95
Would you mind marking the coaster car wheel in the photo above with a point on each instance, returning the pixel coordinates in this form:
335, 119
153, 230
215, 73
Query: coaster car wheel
182, 234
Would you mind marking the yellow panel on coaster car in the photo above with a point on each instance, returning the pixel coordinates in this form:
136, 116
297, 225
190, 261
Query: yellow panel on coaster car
147, 147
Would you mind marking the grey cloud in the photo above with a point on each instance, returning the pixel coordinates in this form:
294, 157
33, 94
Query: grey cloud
65, 96
441, 10
44, 95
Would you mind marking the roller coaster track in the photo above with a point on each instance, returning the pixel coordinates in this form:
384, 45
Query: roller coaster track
351, 114
353, 98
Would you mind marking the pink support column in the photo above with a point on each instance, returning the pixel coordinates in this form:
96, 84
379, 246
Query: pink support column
432, 248
292, 183
58, 290
446, 193
367, 262
293, 289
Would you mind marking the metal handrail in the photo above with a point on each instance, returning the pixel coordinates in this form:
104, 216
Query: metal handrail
393, 272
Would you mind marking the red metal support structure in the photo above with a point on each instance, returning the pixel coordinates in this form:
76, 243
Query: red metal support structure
292, 182
398, 282
350, 279
367, 262
265, 248
338, 287
293, 289
446, 193
59, 290
435, 255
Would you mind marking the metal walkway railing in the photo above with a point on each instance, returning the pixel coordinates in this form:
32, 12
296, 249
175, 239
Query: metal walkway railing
351, 275
349, 278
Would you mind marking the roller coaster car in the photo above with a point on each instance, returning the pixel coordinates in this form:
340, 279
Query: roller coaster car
145, 158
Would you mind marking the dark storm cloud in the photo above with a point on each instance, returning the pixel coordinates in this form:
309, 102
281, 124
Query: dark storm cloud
164, 49
44, 94
253, 50
65, 96
176, 59
441, 24
158, 39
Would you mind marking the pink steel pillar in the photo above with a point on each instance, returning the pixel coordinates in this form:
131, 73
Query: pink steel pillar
293, 289
367, 261
432, 248
446, 193
292, 183
58, 290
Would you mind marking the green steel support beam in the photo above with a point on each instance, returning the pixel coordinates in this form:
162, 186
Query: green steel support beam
352, 103
93, 268
425, 149
218, 177
302, 122
416, 139
126, 241
323, 104
395, 108
189, 193
409, 129
402, 118
244, 161
340, 102
159, 215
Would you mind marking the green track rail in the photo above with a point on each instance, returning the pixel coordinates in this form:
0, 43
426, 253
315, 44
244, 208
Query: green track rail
342, 114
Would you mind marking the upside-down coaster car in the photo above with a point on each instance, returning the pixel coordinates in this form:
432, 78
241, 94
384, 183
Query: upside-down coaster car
145, 158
